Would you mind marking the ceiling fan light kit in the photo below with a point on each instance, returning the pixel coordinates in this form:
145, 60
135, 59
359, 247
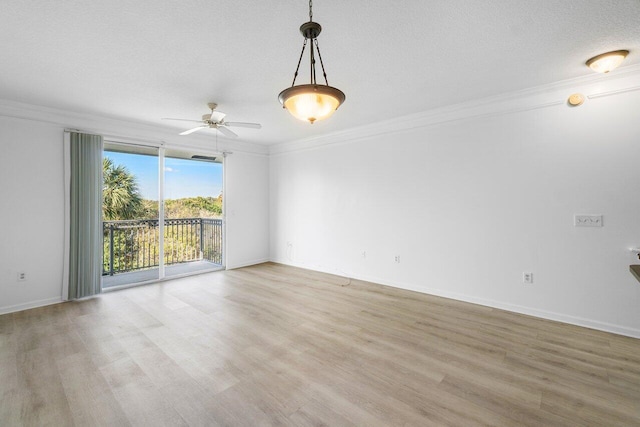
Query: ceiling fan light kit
313, 101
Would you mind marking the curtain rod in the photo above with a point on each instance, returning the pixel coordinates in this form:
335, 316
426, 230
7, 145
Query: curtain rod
81, 131
119, 139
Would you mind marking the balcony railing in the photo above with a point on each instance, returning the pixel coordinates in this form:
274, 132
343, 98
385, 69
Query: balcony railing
131, 245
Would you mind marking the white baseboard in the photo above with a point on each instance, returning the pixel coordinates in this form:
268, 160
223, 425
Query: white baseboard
247, 263
28, 305
530, 311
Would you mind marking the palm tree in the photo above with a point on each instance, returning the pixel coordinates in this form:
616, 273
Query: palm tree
120, 195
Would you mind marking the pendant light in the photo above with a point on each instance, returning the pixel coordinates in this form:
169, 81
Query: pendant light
311, 101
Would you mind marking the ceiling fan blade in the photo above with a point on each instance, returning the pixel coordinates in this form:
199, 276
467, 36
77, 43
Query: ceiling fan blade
227, 132
182, 120
244, 125
187, 132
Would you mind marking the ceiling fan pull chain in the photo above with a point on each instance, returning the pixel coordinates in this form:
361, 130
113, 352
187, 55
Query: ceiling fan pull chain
295, 75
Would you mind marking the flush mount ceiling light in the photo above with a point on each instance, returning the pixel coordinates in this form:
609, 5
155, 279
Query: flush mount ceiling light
311, 101
607, 61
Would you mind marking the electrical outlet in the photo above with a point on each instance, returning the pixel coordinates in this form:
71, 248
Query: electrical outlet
22, 276
397, 258
527, 277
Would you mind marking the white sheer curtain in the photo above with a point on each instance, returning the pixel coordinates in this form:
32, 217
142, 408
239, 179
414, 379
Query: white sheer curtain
83, 271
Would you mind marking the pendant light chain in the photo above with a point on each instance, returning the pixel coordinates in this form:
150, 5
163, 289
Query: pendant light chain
310, 10
295, 75
324, 73
312, 64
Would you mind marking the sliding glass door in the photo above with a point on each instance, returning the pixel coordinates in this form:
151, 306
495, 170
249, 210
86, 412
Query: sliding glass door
147, 237
193, 213
130, 227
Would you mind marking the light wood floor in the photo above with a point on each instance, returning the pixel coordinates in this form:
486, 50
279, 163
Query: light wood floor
274, 345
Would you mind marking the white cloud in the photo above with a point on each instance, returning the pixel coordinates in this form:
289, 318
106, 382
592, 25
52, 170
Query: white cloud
168, 169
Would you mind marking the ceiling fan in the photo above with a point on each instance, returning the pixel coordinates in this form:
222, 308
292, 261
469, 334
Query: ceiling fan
215, 120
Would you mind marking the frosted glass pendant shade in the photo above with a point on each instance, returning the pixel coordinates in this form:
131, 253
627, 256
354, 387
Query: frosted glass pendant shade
311, 102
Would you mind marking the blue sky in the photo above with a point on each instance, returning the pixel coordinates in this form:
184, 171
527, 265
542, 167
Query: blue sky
183, 178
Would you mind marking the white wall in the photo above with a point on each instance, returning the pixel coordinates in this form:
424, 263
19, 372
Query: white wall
471, 200
32, 196
247, 209
31, 213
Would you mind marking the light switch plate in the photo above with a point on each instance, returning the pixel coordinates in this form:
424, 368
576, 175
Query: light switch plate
587, 220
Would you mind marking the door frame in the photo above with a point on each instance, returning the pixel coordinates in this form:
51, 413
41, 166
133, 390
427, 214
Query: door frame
161, 154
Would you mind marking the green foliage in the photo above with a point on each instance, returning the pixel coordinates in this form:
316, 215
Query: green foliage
150, 209
135, 244
121, 199
188, 207
133, 247
120, 195
193, 207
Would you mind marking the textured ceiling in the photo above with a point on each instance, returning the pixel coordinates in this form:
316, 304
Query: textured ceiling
143, 60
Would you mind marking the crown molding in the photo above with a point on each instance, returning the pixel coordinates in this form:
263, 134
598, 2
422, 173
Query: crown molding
121, 129
620, 81
623, 80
